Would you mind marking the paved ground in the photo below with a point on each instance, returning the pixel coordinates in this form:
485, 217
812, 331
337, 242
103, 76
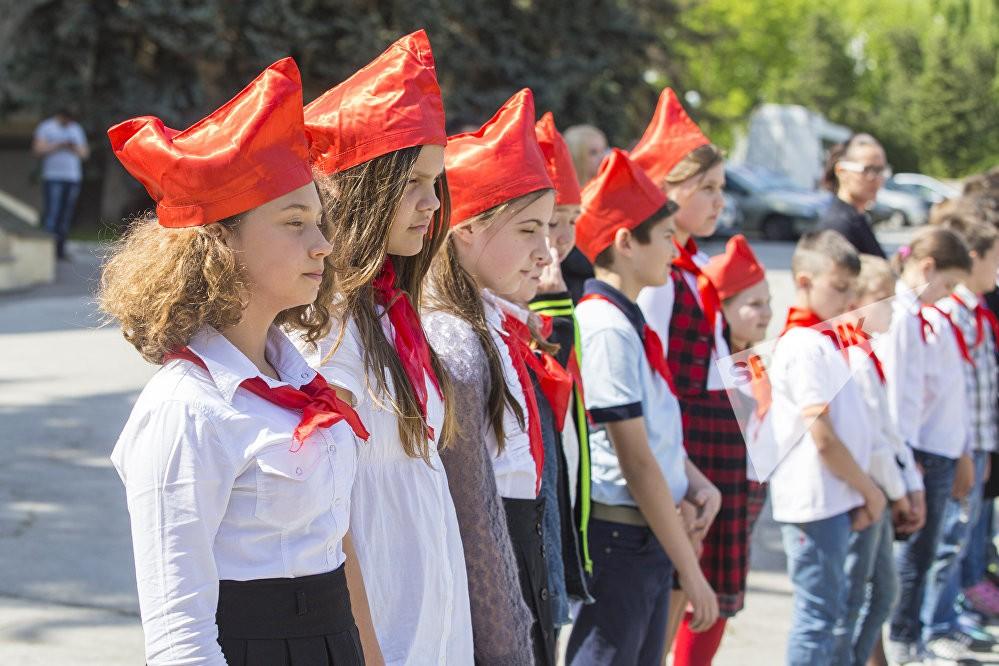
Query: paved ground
67, 585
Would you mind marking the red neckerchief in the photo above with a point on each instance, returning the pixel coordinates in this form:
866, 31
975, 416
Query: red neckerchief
654, 351
410, 340
962, 344
801, 318
710, 302
519, 356
321, 407
865, 345
982, 311
924, 324
554, 381
983, 315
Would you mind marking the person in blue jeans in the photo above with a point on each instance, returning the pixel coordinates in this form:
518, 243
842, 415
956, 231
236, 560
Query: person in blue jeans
62, 146
963, 311
872, 582
820, 489
926, 399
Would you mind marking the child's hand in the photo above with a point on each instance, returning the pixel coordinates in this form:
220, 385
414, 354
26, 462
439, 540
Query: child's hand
702, 599
860, 519
964, 477
875, 502
707, 501
917, 515
551, 281
900, 509
692, 526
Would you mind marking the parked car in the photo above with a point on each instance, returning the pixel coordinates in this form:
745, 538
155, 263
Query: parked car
906, 209
771, 204
927, 188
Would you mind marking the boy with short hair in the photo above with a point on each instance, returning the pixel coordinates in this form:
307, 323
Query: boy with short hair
820, 489
640, 470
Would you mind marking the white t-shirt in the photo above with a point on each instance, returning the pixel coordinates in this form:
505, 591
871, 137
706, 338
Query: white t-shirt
807, 370
620, 384
403, 522
61, 164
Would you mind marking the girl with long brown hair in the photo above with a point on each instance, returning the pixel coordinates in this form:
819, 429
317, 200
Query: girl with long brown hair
687, 314
377, 147
502, 202
237, 458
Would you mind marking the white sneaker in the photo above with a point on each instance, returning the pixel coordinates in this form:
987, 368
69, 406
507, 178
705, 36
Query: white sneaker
947, 650
901, 654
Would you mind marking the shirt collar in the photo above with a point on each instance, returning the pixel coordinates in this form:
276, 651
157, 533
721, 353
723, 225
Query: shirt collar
229, 367
626, 305
966, 296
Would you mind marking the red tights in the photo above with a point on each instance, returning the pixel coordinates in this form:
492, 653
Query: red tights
690, 649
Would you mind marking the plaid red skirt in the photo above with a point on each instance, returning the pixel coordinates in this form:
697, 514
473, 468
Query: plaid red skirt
714, 443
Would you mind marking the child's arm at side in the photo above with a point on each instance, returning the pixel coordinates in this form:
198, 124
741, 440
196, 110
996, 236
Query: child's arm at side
655, 500
840, 462
703, 496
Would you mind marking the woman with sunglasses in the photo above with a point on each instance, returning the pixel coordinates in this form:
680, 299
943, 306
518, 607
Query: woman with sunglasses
855, 171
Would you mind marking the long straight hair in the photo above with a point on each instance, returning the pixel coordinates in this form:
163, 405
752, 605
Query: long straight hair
361, 204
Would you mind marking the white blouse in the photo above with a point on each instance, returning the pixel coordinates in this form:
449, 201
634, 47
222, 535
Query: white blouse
403, 521
215, 492
516, 474
657, 306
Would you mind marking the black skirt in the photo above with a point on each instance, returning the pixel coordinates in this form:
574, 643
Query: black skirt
303, 621
524, 520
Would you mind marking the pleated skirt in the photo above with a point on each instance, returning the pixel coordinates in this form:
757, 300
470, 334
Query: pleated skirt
304, 621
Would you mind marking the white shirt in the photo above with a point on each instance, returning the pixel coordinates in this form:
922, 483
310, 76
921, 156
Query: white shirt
657, 306
620, 384
807, 370
216, 493
62, 164
516, 473
893, 467
403, 522
926, 393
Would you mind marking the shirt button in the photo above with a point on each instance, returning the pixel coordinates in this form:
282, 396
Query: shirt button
331, 550
615, 534
332, 448
544, 594
305, 375
298, 471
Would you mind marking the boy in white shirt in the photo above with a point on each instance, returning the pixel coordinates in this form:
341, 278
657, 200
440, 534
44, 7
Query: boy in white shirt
820, 489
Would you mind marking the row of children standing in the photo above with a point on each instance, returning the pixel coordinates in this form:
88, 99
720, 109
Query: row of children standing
364, 444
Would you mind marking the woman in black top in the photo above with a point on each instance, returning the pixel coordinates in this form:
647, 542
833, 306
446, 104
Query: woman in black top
855, 171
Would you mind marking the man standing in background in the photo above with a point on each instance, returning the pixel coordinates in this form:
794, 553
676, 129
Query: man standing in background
62, 146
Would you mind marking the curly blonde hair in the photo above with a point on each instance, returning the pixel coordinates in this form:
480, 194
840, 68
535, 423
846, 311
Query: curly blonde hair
162, 285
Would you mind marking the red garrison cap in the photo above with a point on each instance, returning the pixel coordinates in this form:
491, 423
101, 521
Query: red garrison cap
558, 161
670, 137
734, 270
250, 151
498, 162
620, 196
394, 102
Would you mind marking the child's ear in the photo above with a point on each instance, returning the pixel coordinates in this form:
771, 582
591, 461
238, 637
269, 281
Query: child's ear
463, 234
622, 241
803, 280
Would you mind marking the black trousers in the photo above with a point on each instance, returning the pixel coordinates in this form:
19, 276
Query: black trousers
303, 621
524, 520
